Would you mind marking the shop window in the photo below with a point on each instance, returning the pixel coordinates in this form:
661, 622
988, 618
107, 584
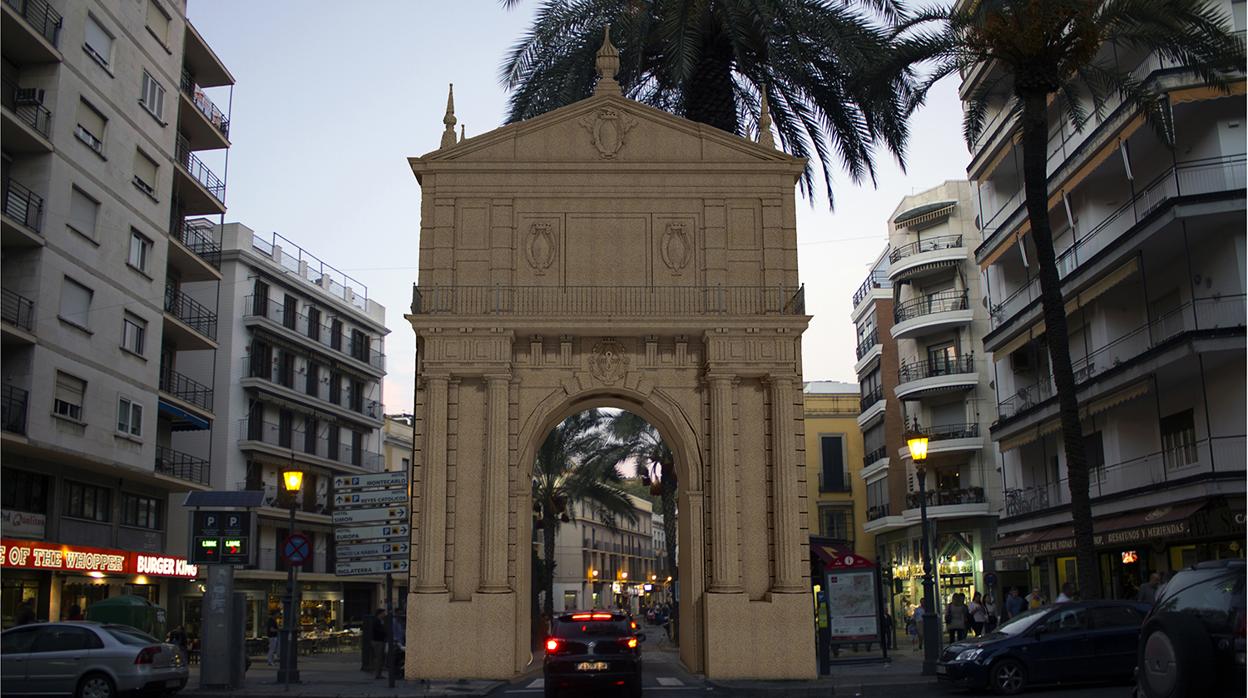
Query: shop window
24, 491
89, 502
82, 594
14, 591
139, 511
151, 592
1178, 439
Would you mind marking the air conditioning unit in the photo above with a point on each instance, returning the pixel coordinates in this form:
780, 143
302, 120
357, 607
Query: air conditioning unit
27, 96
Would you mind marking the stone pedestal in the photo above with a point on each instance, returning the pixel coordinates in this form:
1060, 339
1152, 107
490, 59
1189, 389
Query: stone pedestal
768, 639
470, 639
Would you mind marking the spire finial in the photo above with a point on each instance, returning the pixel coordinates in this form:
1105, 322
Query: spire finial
448, 136
608, 64
764, 123
461, 133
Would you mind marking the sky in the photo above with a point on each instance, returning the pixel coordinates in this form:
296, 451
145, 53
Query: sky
331, 98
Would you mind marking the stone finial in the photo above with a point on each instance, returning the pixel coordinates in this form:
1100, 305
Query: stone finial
461, 133
448, 136
764, 124
608, 64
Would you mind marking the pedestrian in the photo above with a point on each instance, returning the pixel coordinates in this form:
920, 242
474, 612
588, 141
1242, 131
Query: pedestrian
25, 614
177, 637
979, 616
992, 612
918, 619
273, 632
1165, 579
1035, 599
1148, 590
380, 632
1015, 603
957, 618
1068, 594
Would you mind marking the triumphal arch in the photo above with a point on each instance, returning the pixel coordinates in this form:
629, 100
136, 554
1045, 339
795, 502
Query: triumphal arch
609, 254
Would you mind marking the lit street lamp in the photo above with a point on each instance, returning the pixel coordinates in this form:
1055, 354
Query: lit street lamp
292, 481
931, 632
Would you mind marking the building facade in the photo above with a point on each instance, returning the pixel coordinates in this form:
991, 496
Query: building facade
107, 350
837, 496
598, 565
1150, 251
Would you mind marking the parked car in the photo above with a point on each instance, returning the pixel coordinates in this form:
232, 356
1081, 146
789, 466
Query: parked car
1192, 643
87, 660
1067, 642
593, 650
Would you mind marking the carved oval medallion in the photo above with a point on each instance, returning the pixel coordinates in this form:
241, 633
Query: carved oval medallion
675, 248
608, 362
540, 249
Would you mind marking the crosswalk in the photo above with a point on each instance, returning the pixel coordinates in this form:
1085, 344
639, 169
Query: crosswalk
666, 682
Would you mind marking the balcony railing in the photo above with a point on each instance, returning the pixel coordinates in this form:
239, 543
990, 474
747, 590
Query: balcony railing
19, 310
826, 486
940, 242
867, 342
878, 511
198, 170
941, 302
27, 105
191, 312
205, 106
22, 204
13, 401
271, 371
878, 454
871, 398
876, 279
632, 301
186, 389
944, 498
182, 466
342, 342
942, 432
41, 17
298, 441
196, 234
1221, 454
946, 366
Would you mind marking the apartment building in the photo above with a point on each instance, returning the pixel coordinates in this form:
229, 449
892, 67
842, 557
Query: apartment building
662, 571
836, 496
299, 375
1150, 251
107, 358
943, 389
603, 566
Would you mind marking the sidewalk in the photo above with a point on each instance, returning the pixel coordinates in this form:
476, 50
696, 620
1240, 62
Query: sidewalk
857, 677
334, 676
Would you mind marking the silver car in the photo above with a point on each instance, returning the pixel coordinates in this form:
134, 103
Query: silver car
87, 660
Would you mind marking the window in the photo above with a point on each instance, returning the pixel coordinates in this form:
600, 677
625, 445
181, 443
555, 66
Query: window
1116, 617
145, 170
286, 369
87, 501
942, 358
133, 333
309, 434
357, 448
24, 491
98, 42
314, 324
834, 523
832, 476
313, 387
1094, 454
90, 128
158, 22
1065, 620
140, 250
290, 310
285, 428
335, 335
357, 396
335, 388
407, 464
1178, 439
67, 402
143, 512
129, 417
334, 435
75, 302
153, 97
260, 299
83, 211
65, 638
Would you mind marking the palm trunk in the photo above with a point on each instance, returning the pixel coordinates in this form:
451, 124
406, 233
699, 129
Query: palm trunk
1035, 185
668, 481
549, 522
709, 97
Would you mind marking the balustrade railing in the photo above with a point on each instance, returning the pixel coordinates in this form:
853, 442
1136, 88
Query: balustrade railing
945, 366
41, 17
298, 441
204, 105
190, 311
830, 484
948, 497
18, 310
940, 242
871, 398
878, 511
13, 402
867, 342
182, 466
26, 105
608, 300
876, 279
875, 455
196, 234
941, 432
940, 302
22, 204
187, 389
198, 170
344, 343
296, 380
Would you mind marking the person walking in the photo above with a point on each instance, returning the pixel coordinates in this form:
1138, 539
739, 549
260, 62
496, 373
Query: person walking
992, 612
979, 616
1068, 594
1035, 599
380, 632
957, 618
273, 632
1148, 590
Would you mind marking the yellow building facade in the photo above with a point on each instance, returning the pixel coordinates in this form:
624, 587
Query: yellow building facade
836, 495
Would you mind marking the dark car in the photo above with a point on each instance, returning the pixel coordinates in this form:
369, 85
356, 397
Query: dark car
1192, 643
593, 650
1066, 642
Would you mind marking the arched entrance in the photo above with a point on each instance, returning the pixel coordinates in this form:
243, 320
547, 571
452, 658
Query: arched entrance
654, 270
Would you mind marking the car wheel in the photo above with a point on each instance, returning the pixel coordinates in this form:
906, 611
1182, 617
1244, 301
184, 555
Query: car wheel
1007, 677
96, 686
1175, 657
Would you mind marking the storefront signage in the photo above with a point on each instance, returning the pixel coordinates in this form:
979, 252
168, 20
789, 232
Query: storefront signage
1131, 535
23, 524
50, 556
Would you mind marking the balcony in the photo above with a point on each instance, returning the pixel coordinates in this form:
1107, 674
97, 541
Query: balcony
186, 389
13, 403
828, 484
935, 376
877, 455
872, 407
925, 257
204, 125
946, 439
34, 32
875, 280
607, 301
19, 318
182, 466
23, 215
296, 382
301, 326
947, 498
200, 192
931, 313
26, 126
257, 434
195, 326
878, 511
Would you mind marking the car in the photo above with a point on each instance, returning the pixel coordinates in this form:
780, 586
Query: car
592, 650
1066, 642
1192, 642
88, 660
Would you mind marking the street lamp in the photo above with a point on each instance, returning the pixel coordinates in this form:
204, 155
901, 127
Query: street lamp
931, 632
593, 591
292, 481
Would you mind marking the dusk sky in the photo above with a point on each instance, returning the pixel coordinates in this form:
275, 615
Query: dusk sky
332, 98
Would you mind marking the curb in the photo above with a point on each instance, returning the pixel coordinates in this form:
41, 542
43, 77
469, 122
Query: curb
820, 688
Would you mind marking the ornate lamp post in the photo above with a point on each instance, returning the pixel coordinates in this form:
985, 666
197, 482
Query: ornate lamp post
931, 631
292, 481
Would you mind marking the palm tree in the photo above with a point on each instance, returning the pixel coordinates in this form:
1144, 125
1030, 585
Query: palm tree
711, 60
1059, 54
571, 474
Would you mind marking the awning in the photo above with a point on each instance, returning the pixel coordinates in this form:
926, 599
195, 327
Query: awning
1087, 409
924, 216
837, 558
182, 420
1140, 526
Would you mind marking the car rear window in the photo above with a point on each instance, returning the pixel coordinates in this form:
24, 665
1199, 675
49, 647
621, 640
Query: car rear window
577, 629
1212, 597
130, 636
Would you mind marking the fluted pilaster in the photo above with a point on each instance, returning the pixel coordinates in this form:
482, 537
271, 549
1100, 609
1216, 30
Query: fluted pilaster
431, 577
494, 524
786, 523
726, 551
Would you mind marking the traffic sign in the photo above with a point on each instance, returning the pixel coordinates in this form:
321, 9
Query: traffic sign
387, 479
296, 549
370, 498
366, 515
364, 550
349, 569
344, 534
221, 537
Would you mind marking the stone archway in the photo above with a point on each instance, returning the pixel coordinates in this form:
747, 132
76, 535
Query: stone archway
659, 275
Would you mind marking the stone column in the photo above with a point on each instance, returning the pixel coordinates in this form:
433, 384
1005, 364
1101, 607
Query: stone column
785, 520
431, 577
494, 498
725, 550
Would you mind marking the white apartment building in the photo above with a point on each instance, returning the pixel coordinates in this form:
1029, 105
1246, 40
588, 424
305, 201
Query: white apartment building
107, 357
602, 566
1150, 250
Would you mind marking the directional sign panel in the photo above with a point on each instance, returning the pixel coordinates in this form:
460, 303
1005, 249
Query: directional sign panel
370, 498
344, 534
390, 479
221, 537
367, 515
350, 569
364, 550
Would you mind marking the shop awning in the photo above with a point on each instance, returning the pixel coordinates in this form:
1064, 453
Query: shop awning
1130, 528
181, 419
837, 558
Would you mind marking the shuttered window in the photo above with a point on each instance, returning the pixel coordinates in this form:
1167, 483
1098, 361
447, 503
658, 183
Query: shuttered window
158, 21
98, 42
67, 401
75, 302
83, 211
90, 128
145, 170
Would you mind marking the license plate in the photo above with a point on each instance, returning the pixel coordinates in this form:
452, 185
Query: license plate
942, 669
591, 666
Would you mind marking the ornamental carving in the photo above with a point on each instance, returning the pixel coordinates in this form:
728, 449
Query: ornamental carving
607, 130
540, 248
608, 362
675, 248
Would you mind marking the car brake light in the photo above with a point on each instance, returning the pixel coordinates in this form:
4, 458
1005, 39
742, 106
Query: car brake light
632, 624
552, 644
602, 616
146, 655
632, 643
581, 616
